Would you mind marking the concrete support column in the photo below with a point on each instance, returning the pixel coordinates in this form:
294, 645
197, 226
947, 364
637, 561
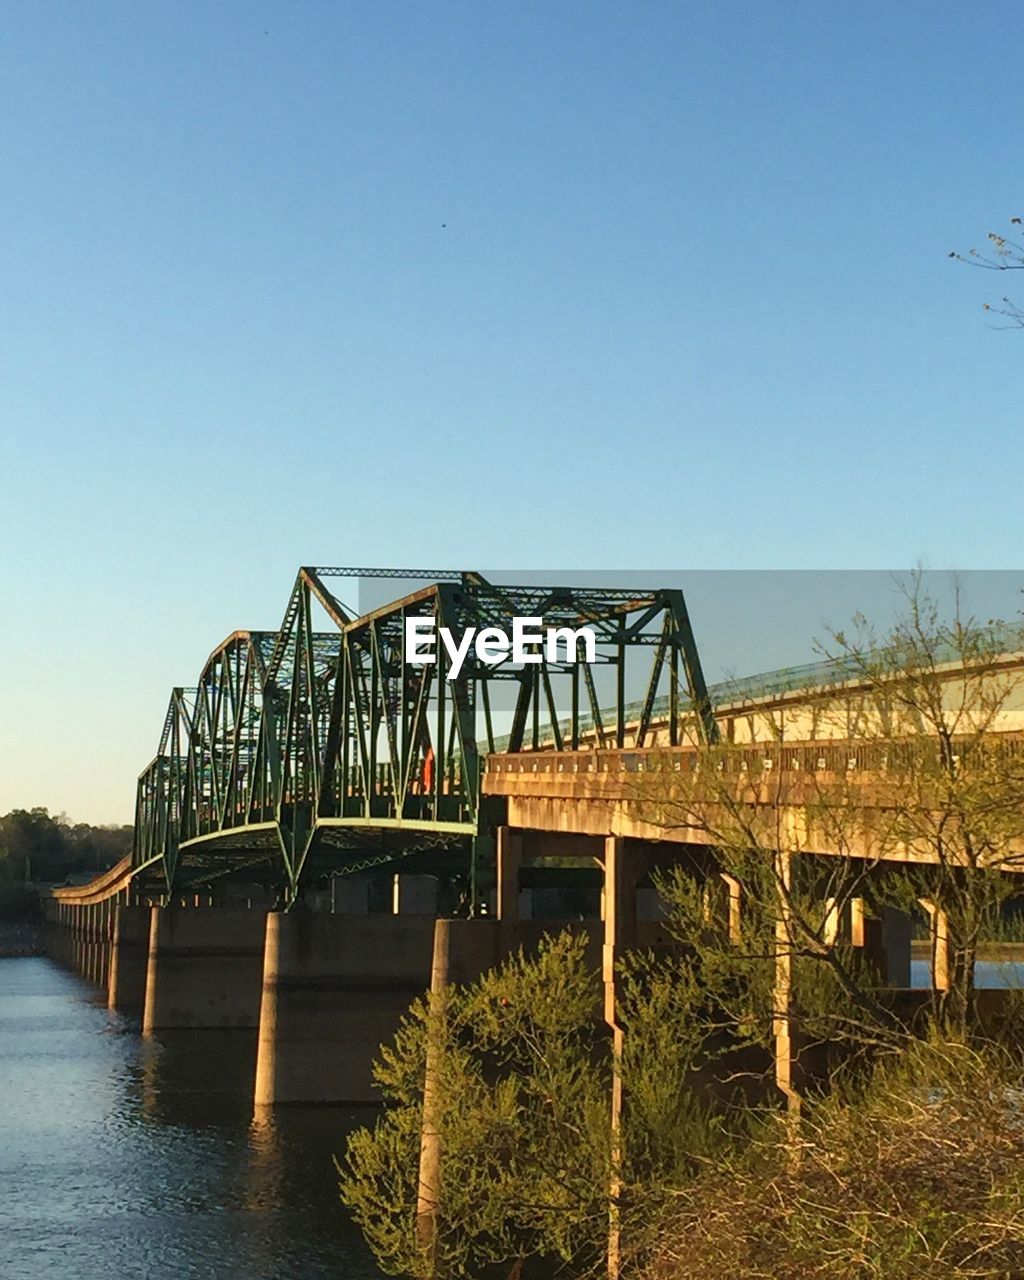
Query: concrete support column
92, 946
79, 938
620, 915
70, 931
428, 1189
414, 895
510, 860
334, 989
85, 962
734, 894
104, 919
844, 921
722, 904
858, 922
106, 928
883, 938
939, 933
129, 959
204, 968
80, 927
88, 942
74, 937
782, 1015
620, 929
94, 912
462, 951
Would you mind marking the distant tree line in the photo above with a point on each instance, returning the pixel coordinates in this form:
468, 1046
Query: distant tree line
37, 848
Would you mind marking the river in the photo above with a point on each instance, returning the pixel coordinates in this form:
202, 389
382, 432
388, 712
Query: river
122, 1157
1006, 975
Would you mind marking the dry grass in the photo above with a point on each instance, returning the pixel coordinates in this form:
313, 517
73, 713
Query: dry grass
922, 1177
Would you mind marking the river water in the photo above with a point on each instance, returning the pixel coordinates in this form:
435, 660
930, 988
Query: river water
124, 1158
1007, 975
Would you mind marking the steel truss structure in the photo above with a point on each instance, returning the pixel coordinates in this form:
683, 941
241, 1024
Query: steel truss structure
319, 747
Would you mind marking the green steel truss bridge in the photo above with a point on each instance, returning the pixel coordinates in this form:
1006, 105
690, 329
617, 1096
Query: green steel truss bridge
317, 749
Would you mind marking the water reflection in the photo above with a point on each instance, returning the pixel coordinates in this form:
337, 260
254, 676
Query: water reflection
129, 1158
196, 1078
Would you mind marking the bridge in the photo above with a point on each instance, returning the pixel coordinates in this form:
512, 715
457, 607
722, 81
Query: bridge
326, 827
305, 750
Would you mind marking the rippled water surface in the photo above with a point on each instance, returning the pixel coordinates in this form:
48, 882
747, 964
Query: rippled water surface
124, 1158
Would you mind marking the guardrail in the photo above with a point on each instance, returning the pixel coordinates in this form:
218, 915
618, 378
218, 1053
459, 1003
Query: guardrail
822, 756
812, 677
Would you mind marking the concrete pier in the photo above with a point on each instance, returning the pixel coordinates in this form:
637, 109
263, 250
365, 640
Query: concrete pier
334, 989
129, 959
204, 968
883, 936
464, 950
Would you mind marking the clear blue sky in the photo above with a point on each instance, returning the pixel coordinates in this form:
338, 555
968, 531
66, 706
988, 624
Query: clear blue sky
591, 284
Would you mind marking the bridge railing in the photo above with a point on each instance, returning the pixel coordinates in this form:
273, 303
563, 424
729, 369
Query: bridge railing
820, 756
809, 677
107, 884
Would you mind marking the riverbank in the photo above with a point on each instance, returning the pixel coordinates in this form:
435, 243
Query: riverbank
20, 938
